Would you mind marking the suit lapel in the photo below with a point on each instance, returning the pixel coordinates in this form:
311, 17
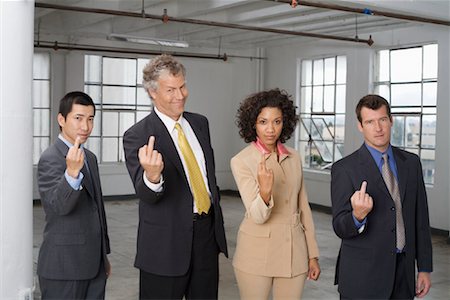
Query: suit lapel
91, 177
164, 142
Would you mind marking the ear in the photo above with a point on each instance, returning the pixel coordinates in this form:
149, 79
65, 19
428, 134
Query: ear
360, 127
61, 120
151, 93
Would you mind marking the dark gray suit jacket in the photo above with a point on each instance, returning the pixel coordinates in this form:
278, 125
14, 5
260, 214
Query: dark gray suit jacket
165, 230
75, 235
366, 263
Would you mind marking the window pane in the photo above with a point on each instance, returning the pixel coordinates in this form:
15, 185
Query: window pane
141, 63
412, 131
110, 124
323, 124
109, 149
428, 165
429, 131
398, 131
338, 151
340, 98
140, 115
41, 94
406, 65
429, 93
39, 145
317, 99
142, 97
341, 76
41, 66
119, 71
119, 95
121, 152
383, 65
406, 94
95, 91
126, 121
329, 99
430, 61
306, 99
339, 129
41, 120
92, 68
303, 148
330, 71
97, 123
318, 71
304, 135
93, 144
383, 91
306, 72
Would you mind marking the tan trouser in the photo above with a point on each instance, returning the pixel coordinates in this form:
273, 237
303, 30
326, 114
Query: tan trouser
255, 287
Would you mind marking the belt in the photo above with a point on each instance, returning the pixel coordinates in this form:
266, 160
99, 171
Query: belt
198, 217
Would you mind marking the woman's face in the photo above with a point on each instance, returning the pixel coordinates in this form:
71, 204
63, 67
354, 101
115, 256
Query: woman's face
269, 125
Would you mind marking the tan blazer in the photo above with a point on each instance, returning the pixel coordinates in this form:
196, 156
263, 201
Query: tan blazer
274, 240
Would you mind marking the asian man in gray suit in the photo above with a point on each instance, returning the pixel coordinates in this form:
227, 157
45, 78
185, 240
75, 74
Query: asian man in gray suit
72, 261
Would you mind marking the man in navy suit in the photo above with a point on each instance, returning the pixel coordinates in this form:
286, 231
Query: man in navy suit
73, 262
380, 249
178, 244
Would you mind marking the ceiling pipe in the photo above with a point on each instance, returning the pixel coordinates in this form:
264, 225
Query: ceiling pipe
165, 18
368, 11
63, 46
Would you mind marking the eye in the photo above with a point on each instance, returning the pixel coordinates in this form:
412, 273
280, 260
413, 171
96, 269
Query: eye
277, 122
262, 122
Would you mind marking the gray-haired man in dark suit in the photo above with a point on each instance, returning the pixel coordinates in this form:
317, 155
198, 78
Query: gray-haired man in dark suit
72, 261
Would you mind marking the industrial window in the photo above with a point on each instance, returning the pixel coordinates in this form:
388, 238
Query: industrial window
115, 86
407, 78
322, 111
41, 104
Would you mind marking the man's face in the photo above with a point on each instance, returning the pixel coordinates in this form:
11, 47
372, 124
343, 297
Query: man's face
376, 127
79, 122
171, 94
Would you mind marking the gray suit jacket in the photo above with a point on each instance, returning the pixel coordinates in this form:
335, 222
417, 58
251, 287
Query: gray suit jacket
75, 234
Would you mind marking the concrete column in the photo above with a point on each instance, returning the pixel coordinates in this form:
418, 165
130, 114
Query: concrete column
16, 213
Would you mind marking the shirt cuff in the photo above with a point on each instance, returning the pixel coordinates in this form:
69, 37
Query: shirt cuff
75, 183
359, 225
156, 187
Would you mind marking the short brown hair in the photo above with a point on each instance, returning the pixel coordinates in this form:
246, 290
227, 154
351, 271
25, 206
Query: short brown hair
373, 102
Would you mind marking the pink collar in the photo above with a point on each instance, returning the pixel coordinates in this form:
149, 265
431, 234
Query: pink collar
281, 149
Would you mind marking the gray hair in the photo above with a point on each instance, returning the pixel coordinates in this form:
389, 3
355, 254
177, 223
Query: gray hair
159, 65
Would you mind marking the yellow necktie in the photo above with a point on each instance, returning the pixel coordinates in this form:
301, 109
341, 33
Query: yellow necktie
198, 187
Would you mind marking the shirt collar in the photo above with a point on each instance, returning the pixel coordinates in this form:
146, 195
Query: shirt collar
377, 155
167, 121
68, 144
281, 149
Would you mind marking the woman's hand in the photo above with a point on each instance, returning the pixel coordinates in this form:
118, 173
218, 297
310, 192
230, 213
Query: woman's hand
265, 180
314, 269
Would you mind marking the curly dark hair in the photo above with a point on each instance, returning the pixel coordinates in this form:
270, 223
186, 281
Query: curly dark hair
251, 107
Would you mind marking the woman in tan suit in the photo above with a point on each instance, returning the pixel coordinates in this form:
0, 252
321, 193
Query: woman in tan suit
276, 246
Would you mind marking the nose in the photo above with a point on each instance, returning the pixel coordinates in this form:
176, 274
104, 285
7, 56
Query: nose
377, 125
270, 127
179, 94
85, 125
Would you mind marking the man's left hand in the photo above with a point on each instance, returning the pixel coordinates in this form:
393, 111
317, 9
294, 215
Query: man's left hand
423, 284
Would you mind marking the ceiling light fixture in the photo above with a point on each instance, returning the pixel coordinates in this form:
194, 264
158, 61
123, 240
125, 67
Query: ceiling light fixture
147, 40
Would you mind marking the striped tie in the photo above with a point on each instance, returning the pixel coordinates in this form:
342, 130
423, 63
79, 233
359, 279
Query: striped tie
392, 186
198, 187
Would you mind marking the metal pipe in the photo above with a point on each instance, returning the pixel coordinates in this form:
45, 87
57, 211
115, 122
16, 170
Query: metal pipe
64, 46
367, 11
165, 18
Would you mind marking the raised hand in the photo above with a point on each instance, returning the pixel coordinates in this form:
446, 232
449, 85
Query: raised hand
265, 180
151, 161
362, 203
75, 159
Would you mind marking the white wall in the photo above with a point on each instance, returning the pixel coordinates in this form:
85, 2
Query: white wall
281, 72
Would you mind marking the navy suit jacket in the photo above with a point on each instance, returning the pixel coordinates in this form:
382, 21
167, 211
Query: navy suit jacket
75, 234
164, 241
366, 262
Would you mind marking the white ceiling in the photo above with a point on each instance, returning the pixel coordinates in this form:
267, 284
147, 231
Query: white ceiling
79, 27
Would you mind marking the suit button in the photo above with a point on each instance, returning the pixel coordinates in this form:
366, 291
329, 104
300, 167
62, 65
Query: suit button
393, 230
393, 208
